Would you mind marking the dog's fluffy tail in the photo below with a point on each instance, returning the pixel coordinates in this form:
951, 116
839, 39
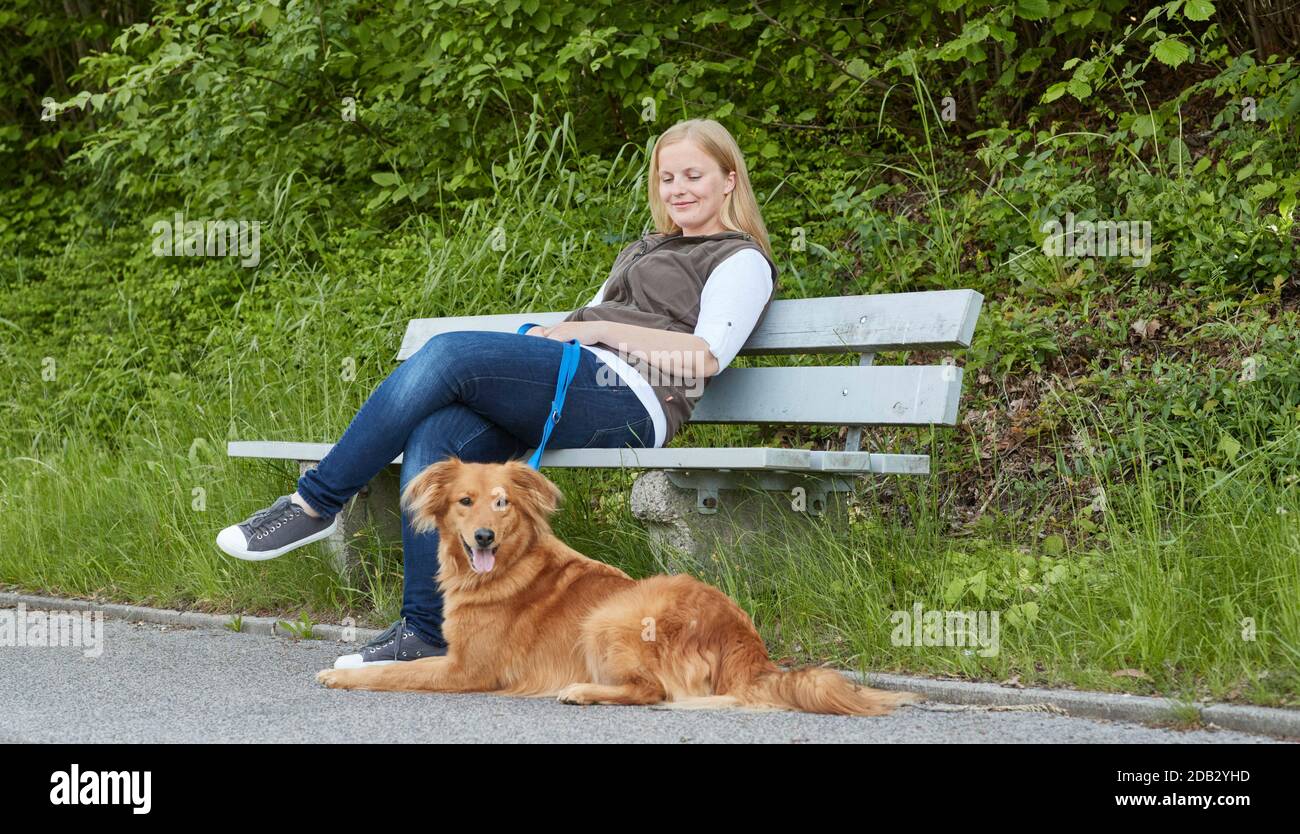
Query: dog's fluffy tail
818, 690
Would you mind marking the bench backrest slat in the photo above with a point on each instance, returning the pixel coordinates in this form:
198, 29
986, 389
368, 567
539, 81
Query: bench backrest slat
935, 319
817, 395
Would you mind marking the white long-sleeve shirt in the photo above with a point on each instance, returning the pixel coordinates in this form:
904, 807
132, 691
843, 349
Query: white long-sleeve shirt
730, 303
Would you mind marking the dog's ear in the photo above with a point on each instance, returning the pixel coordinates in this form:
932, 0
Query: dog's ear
539, 497
428, 494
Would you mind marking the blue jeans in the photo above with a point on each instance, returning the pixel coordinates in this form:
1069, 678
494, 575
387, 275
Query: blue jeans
483, 397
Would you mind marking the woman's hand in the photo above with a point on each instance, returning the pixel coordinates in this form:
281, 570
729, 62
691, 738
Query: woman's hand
586, 332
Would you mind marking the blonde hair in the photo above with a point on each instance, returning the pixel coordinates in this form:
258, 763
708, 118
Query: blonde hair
739, 208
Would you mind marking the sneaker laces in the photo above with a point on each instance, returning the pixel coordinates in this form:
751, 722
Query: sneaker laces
400, 627
384, 636
263, 517
401, 632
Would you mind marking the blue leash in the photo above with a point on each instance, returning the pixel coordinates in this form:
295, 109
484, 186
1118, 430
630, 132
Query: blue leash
568, 368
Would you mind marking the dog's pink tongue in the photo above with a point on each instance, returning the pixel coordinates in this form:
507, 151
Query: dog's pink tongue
484, 559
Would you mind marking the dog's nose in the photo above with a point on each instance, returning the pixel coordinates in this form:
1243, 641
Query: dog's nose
483, 536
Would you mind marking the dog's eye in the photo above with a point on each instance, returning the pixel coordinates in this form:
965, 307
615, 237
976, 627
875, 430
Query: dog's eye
466, 501
501, 503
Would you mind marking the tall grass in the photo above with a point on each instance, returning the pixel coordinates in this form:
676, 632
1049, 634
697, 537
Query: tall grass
1189, 587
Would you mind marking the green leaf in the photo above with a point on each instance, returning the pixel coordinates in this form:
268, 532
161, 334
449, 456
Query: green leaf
1023, 614
1198, 9
1171, 51
270, 16
1031, 9
1145, 125
1178, 152
384, 178
1286, 205
1229, 446
1263, 190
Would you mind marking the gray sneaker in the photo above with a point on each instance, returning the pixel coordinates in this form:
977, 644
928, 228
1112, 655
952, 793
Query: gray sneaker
274, 531
395, 644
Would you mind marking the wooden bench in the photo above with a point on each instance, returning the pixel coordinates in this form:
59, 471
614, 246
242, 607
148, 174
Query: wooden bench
839, 395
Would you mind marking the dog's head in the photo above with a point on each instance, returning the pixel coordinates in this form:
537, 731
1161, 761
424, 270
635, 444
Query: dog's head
487, 507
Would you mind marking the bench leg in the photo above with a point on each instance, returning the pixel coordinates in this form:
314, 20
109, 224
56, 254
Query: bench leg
689, 514
375, 506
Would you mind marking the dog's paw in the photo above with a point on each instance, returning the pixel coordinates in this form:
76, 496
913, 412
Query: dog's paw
574, 694
331, 678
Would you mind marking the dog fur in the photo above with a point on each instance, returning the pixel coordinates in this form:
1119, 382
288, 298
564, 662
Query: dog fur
546, 621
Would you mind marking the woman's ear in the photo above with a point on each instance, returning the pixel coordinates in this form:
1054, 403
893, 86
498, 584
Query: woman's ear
426, 497
539, 497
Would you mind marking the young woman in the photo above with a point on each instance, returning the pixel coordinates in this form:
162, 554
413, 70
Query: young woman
676, 309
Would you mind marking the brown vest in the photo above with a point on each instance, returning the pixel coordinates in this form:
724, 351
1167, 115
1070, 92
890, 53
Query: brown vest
657, 282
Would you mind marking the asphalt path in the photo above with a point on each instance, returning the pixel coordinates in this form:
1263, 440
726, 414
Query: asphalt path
154, 683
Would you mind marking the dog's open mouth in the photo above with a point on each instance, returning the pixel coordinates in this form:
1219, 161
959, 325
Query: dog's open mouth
481, 559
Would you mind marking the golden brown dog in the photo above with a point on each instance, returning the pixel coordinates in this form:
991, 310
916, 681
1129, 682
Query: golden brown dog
524, 614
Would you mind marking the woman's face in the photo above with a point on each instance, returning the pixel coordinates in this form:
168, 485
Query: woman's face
692, 186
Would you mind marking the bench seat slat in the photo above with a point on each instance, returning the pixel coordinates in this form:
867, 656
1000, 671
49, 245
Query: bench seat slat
802, 461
